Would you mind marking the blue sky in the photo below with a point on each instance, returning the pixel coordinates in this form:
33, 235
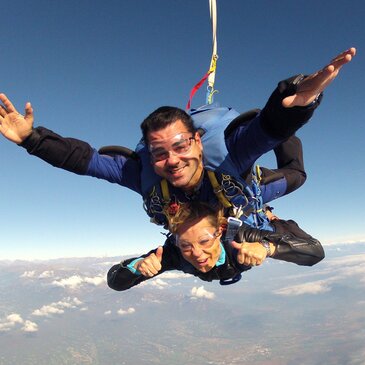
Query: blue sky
94, 69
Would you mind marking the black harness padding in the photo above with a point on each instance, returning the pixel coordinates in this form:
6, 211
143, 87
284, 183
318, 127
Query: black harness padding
118, 150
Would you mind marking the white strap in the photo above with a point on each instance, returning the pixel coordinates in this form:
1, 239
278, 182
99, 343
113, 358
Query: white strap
213, 18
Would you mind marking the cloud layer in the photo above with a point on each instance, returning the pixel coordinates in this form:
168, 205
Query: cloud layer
15, 320
335, 271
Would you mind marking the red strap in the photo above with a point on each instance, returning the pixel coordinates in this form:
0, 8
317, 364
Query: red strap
196, 88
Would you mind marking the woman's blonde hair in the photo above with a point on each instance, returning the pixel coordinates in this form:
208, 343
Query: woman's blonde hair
191, 211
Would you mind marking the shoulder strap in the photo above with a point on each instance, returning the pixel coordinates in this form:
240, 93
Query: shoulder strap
218, 190
165, 190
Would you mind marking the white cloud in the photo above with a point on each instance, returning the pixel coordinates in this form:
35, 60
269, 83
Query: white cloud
200, 292
76, 301
10, 321
46, 274
174, 275
57, 307
161, 284
123, 312
106, 263
347, 260
97, 280
14, 318
335, 270
47, 311
73, 282
345, 267
28, 274
315, 287
30, 326
343, 241
43, 275
158, 283
107, 313
358, 270
5, 327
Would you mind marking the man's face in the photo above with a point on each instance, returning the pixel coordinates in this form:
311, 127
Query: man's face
176, 155
199, 243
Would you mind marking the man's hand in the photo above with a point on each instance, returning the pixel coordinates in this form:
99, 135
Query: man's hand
150, 265
251, 254
14, 126
314, 84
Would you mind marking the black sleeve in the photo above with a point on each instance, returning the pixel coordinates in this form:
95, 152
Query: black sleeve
290, 163
67, 153
121, 278
280, 122
291, 242
295, 245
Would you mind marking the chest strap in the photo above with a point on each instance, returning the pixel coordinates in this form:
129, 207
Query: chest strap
218, 191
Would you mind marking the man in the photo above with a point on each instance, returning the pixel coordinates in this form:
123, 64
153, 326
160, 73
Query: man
175, 150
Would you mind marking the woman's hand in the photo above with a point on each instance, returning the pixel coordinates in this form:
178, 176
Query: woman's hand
150, 265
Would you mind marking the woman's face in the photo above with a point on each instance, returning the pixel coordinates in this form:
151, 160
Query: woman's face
199, 243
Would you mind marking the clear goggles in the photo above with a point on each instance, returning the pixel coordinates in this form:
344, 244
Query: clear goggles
178, 145
204, 242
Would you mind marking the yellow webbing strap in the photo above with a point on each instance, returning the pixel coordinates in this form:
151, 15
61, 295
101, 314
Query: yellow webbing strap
210, 89
165, 190
217, 190
258, 174
258, 181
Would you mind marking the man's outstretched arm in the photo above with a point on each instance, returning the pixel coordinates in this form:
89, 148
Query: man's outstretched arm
70, 154
289, 107
310, 87
293, 102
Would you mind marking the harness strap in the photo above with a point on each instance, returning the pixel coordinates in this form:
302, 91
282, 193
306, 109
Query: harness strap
258, 174
218, 190
165, 190
233, 225
257, 177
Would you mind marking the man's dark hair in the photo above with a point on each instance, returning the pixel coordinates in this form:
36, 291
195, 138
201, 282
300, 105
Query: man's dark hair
164, 116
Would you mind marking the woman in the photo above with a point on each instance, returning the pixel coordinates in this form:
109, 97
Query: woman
198, 246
